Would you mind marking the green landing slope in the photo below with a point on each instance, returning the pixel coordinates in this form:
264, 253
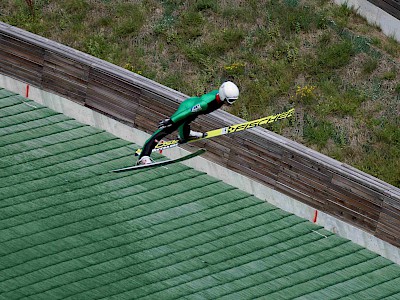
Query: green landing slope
70, 229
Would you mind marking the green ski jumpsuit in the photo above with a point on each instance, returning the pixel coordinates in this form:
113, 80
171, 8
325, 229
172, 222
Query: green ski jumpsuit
187, 111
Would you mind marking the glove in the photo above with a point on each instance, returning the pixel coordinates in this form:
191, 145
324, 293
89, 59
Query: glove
165, 123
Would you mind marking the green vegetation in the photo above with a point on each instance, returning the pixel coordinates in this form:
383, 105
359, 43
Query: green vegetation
341, 73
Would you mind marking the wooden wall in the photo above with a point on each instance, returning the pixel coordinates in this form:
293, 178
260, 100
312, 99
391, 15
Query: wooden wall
284, 165
392, 7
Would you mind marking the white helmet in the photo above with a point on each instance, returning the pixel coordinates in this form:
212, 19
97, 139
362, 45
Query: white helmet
228, 92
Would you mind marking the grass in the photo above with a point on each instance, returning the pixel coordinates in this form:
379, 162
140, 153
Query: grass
370, 65
340, 72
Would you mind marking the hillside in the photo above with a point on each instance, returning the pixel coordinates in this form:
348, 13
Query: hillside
340, 73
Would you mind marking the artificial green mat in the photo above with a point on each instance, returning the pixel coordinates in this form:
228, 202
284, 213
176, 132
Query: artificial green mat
70, 229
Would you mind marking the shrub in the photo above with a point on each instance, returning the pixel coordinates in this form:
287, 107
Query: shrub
305, 94
96, 45
389, 75
190, 25
335, 55
318, 132
235, 69
130, 21
370, 65
337, 101
206, 4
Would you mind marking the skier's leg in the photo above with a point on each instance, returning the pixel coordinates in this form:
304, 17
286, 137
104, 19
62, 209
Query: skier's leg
184, 132
148, 147
152, 142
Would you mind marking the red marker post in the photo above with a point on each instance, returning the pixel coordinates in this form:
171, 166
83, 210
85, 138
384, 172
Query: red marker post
315, 216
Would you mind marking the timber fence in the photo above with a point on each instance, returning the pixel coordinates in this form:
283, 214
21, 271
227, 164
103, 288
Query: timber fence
392, 7
286, 166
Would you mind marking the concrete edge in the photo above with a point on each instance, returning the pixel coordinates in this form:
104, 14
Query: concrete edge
375, 15
95, 119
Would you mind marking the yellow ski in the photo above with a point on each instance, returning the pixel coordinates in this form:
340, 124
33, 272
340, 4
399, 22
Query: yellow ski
163, 145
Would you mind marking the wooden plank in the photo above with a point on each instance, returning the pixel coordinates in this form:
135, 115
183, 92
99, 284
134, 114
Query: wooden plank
306, 167
313, 183
357, 199
153, 90
390, 224
313, 186
146, 86
391, 209
63, 86
111, 80
391, 219
144, 123
393, 193
71, 69
294, 192
113, 110
209, 123
250, 160
358, 188
387, 237
354, 203
251, 165
150, 118
221, 144
161, 109
350, 216
320, 197
24, 70
161, 96
72, 80
217, 156
394, 196
315, 192
19, 62
251, 142
367, 180
306, 176
247, 155
392, 7
388, 227
101, 93
47, 44
4, 27
112, 96
393, 206
65, 76
21, 49
13, 57
257, 176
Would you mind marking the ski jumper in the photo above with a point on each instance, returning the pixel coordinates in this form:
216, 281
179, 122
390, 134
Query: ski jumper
187, 111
